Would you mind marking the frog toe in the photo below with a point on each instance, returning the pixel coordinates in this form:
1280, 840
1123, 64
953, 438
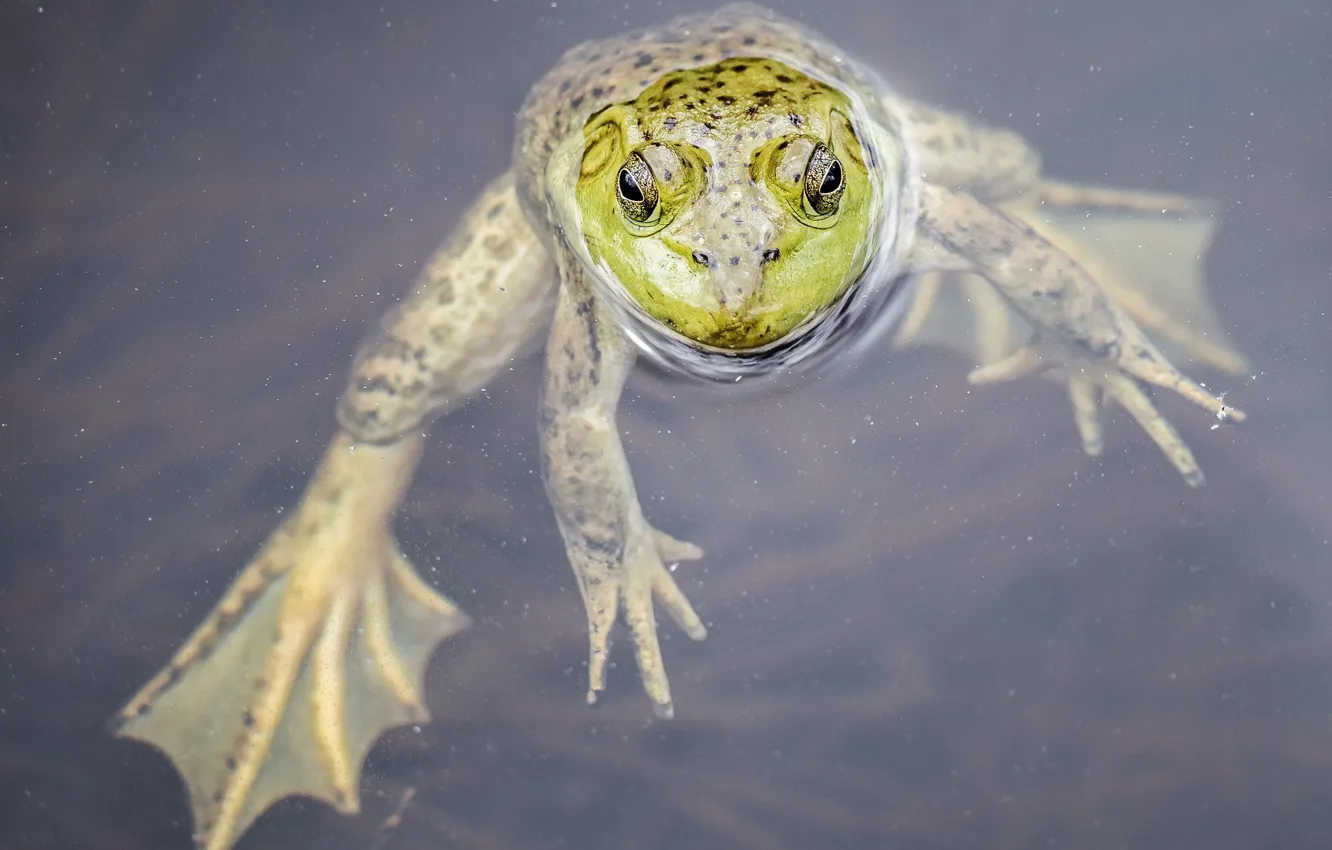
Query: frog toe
642, 580
1085, 396
1022, 362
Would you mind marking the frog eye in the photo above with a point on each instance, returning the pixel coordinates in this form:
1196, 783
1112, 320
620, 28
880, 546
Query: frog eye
636, 190
824, 183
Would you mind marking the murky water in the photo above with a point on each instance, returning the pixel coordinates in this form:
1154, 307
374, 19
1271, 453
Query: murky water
935, 624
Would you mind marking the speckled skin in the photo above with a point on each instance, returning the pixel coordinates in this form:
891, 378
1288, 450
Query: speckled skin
321, 643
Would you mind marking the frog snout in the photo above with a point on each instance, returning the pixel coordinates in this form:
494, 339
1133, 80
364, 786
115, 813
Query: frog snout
733, 265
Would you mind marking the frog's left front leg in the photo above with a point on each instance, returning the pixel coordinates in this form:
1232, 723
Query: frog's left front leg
1079, 329
618, 558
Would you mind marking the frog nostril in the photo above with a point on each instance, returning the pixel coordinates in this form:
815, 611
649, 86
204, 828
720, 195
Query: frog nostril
702, 259
771, 255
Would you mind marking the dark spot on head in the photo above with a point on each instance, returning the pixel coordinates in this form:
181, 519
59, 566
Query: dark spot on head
783, 78
771, 255
735, 261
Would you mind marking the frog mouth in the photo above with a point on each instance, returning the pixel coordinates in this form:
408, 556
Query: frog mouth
837, 335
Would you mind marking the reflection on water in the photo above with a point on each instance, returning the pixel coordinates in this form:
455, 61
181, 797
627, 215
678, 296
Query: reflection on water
934, 623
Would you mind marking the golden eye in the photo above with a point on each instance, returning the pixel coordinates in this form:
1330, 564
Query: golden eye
824, 183
636, 190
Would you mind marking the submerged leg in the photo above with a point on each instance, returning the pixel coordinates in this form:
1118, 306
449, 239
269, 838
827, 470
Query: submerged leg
317, 648
1145, 250
321, 643
1074, 323
618, 558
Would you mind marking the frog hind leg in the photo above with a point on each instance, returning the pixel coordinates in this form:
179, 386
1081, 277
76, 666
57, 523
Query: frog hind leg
321, 642
1090, 256
317, 648
1146, 251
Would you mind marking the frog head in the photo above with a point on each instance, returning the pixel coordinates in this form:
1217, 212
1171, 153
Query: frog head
732, 203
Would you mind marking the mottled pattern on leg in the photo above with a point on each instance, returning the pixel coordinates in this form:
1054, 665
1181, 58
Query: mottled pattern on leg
477, 304
959, 152
1145, 250
1078, 329
617, 557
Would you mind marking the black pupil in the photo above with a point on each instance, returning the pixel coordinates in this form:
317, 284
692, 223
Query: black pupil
629, 187
832, 181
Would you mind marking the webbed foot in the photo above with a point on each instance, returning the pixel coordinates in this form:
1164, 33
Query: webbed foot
641, 577
318, 647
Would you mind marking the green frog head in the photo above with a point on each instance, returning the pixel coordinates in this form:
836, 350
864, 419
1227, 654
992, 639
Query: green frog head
733, 202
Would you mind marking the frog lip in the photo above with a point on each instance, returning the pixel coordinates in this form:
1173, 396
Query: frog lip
734, 328
834, 338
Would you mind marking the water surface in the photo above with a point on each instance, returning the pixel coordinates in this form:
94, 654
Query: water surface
935, 624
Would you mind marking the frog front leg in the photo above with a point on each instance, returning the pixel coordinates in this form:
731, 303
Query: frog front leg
1079, 330
322, 641
619, 560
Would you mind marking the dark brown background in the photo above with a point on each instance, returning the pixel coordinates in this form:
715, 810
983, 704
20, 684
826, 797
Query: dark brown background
935, 624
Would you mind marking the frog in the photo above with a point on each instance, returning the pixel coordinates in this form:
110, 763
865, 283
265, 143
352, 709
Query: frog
729, 200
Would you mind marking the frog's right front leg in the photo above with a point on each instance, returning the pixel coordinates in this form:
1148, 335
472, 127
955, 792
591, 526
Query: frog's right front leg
321, 643
617, 557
